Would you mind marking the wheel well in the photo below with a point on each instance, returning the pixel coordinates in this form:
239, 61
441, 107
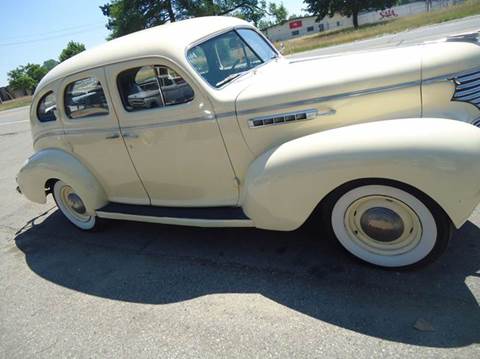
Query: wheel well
49, 185
325, 203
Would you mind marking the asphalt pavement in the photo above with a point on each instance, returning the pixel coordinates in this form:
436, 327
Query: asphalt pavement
148, 290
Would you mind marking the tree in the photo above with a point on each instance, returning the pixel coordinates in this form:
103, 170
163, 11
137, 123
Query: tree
26, 77
127, 16
35, 71
50, 64
322, 8
279, 12
72, 49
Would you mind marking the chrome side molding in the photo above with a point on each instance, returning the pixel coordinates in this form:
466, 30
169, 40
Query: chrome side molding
288, 117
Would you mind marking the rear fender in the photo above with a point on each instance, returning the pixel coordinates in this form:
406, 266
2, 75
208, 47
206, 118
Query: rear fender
57, 164
439, 157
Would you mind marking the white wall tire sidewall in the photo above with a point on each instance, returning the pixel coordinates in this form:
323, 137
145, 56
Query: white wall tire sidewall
420, 251
85, 225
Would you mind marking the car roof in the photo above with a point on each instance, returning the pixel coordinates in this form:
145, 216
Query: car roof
169, 40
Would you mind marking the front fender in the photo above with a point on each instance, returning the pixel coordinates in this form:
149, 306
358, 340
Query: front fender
57, 164
437, 156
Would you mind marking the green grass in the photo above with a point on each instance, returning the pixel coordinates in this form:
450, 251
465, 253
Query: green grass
18, 102
331, 38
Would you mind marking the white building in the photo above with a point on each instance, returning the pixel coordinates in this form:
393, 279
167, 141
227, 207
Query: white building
308, 25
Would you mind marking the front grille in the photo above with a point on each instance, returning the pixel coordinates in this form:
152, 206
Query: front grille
476, 122
467, 88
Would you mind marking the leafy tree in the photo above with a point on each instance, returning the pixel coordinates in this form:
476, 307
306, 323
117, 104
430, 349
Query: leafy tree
322, 8
35, 71
279, 12
50, 64
127, 16
72, 49
26, 77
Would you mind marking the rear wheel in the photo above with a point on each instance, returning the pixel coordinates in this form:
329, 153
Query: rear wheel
388, 225
72, 206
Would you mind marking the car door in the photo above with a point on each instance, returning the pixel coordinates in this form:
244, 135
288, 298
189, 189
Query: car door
92, 130
172, 135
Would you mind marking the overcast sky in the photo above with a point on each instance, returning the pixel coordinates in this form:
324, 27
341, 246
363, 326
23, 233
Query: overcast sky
35, 31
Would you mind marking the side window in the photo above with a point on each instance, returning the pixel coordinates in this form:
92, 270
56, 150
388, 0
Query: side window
151, 87
46, 108
84, 98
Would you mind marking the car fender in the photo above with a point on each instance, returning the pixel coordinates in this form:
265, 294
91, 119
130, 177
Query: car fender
50, 164
439, 157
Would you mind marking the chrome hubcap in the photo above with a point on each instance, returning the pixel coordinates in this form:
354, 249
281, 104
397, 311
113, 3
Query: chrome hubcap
382, 224
75, 203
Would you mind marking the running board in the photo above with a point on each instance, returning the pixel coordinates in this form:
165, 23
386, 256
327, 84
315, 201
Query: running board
188, 216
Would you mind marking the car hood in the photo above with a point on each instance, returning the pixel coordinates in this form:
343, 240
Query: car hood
292, 82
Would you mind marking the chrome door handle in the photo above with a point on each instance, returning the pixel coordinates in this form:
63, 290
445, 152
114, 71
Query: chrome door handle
130, 135
113, 136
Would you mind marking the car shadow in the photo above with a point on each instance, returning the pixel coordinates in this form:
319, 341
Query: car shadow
157, 264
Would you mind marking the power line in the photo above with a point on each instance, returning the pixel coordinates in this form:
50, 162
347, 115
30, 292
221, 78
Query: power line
78, 27
17, 43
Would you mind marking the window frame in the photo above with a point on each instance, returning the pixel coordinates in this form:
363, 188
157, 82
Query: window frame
221, 32
79, 77
47, 93
121, 97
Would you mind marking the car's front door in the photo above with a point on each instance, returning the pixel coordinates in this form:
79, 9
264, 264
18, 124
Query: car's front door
172, 135
92, 130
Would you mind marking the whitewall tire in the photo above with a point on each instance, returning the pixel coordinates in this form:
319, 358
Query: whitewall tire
72, 206
388, 226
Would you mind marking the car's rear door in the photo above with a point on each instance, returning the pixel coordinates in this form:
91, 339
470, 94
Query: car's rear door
92, 130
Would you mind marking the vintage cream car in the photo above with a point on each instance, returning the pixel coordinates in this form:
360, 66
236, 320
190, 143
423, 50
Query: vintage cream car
203, 123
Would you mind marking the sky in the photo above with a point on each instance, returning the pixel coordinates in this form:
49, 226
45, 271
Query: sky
34, 31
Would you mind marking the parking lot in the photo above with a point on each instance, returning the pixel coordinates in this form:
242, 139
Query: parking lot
136, 289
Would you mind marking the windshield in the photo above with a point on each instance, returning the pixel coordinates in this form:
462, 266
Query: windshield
225, 57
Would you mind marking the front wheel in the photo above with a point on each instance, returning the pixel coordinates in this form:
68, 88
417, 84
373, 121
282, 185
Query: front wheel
389, 225
72, 206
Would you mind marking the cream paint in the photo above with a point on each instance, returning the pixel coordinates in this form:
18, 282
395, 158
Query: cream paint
285, 184
171, 143
277, 174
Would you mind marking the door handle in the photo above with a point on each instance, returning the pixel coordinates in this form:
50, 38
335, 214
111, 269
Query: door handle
112, 136
130, 135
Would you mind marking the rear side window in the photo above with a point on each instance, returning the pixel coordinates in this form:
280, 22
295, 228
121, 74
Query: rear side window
85, 98
152, 86
46, 108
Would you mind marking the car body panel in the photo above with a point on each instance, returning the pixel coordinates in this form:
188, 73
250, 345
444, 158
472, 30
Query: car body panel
56, 164
167, 144
356, 116
284, 185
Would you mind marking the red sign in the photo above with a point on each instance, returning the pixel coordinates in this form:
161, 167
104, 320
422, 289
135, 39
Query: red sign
295, 24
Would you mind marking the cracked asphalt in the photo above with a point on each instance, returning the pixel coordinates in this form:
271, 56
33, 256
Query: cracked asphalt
145, 290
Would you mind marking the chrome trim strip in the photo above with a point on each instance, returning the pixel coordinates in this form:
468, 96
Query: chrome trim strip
474, 76
303, 115
186, 121
55, 132
466, 92
82, 131
467, 87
